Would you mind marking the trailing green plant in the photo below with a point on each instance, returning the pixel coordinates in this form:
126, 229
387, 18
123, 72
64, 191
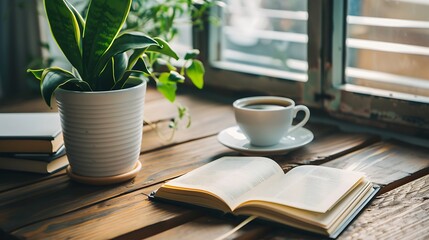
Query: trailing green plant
106, 56
162, 18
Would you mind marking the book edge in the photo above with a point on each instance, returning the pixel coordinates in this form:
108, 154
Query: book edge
358, 211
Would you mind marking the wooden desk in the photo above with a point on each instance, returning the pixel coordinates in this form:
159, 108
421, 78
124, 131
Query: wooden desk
36, 206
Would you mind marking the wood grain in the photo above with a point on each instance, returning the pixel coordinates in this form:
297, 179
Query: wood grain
388, 163
126, 216
402, 213
10, 180
209, 227
326, 147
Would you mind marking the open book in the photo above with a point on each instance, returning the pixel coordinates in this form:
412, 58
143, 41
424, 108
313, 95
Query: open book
313, 198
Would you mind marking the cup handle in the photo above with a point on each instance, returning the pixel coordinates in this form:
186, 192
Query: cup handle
296, 109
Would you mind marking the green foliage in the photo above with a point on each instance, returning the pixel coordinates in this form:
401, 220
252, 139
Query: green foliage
96, 48
162, 18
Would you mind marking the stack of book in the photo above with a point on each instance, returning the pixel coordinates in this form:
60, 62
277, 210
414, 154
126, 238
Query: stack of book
31, 142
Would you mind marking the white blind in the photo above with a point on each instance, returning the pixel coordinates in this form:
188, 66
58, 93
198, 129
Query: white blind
262, 37
388, 45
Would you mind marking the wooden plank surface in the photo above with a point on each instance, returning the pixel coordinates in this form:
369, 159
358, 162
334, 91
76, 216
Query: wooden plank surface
212, 228
52, 207
17, 207
328, 146
14, 179
387, 163
55, 202
128, 215
402, 213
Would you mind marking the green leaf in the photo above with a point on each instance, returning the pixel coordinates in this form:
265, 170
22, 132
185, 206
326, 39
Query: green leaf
103, 23
79, 19
112, 73
120, 65
120, 84
132, 60
196, 73
191, 54
65, 29
53, 78
163, 48
125, 42
36, 73
133, 81
141, 66
166, 87
175, 77
170, 66
76, 73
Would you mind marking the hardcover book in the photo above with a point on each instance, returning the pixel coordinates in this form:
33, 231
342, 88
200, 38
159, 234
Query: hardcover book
34, 162
318, 199
30, 133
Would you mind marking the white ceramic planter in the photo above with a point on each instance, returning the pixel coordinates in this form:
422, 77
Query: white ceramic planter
102, 130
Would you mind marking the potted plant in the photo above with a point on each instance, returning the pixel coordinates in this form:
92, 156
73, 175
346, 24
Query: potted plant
101, 99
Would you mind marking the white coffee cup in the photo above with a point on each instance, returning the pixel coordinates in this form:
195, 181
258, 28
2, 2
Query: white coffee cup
265, 120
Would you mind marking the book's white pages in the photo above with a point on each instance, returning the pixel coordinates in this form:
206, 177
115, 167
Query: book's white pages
311, 188
229, 177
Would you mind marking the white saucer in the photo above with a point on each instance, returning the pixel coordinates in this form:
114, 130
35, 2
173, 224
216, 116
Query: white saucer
233, 138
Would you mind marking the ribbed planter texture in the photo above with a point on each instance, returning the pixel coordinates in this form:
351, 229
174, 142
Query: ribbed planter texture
102, 130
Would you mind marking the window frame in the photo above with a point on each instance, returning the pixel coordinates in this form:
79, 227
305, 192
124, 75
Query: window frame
400, 112
325, 89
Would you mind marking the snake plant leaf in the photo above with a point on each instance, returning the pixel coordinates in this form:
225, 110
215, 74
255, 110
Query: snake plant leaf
37, 73
137, 54
164, 48
103, 22
106, 79
76, 73
136, 61
120, 64
53, 78
79, 18
133, 81
195, 72
141, 66
65, 29
120, 84
125, 42
113, 72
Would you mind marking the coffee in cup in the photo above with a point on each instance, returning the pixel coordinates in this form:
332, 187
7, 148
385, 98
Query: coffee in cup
264, 120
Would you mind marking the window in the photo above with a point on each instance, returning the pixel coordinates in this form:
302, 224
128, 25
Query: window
378, 75
388, 45
262, 37
360, 60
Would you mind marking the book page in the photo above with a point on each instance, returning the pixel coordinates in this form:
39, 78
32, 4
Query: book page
229, 177
312, 188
